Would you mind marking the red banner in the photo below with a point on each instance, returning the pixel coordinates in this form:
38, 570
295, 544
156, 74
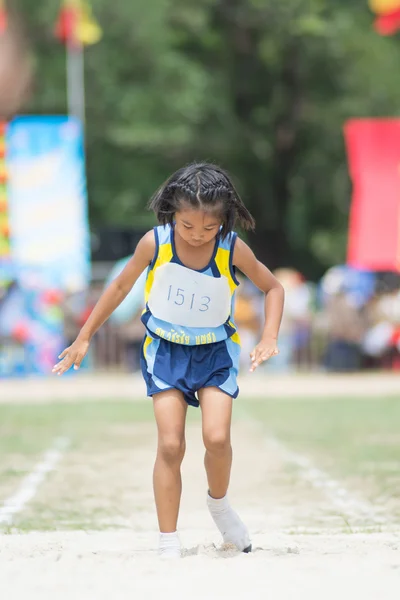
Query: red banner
373, 147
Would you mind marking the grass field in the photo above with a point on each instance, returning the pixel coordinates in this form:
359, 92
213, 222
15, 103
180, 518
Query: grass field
312, 479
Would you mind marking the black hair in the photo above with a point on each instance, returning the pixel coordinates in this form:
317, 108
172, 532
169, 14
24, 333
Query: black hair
202, 186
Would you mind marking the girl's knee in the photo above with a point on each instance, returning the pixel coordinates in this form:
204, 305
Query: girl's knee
171, 448
217, 441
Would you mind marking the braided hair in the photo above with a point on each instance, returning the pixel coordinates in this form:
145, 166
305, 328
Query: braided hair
202, 186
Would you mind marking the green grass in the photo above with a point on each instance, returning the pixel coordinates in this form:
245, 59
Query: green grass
31, 428
356, 441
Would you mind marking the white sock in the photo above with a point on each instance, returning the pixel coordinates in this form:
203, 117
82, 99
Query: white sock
232, 529
169, 545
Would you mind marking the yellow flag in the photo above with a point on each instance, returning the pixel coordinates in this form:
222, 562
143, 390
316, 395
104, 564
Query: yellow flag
382, 7
78, 21
88, 31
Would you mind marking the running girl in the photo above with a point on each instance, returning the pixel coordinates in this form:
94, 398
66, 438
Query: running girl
190, 354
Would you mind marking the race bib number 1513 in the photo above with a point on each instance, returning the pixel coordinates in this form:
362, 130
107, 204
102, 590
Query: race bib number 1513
184, 297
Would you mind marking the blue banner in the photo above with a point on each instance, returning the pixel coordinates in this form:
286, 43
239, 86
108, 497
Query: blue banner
50, 239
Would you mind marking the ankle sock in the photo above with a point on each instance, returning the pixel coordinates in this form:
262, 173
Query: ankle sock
231, 527
169, 545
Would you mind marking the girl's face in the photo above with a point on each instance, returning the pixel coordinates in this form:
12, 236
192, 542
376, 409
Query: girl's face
196, 227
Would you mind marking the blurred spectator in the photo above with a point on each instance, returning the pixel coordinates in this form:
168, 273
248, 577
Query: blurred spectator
381, 343
74, 306
296, 321
131, 334
356, 325
249, 312
345, 326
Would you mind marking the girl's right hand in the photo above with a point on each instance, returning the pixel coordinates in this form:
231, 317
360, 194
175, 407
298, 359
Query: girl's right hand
73, 355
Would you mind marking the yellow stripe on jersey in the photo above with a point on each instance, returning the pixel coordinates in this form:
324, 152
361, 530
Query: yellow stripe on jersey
222, 261
164, 256
236, 338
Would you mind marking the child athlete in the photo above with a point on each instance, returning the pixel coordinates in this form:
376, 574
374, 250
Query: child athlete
190, 353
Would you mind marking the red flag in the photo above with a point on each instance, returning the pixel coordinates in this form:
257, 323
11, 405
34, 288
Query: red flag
373, 147
66, 24
388, 24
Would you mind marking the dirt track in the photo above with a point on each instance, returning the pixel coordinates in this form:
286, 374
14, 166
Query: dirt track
79, 386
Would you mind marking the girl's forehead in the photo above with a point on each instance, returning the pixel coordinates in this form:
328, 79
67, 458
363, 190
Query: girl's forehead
198, 216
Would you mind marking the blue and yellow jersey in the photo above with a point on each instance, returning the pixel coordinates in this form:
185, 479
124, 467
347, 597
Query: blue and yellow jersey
219, 265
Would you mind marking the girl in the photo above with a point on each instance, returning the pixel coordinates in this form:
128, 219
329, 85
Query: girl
190, 353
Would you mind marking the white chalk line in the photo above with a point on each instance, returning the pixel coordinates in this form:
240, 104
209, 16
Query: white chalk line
337, 494
31, 483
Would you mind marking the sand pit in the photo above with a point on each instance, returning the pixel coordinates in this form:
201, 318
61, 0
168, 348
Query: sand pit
83, 566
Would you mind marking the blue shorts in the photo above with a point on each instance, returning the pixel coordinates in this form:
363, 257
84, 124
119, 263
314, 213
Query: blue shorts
166, 365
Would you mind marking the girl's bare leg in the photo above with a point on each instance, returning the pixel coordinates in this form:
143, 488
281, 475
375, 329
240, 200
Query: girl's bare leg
170, 412
216, 410
216, 422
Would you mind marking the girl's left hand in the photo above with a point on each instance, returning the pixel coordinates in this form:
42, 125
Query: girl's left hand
263, 351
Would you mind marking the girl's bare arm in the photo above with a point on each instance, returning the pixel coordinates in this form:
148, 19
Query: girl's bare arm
246, 261
111, 298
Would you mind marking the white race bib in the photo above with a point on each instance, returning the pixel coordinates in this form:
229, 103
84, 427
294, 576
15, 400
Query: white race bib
184, 297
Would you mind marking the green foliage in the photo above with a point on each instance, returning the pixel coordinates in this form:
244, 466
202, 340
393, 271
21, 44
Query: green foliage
260, 86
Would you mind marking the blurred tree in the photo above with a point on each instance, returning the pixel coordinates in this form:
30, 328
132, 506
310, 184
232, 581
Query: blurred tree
260, 86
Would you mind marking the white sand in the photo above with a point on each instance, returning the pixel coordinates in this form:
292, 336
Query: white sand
80, 566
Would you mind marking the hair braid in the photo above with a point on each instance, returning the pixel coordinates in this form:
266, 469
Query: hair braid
202, 186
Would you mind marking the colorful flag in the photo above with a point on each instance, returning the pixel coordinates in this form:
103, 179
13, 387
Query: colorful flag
76, 24
373, 147
388, 16
4, 222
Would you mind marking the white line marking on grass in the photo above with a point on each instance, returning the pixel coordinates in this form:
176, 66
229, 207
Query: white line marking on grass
337, 494
31, 482
341, 498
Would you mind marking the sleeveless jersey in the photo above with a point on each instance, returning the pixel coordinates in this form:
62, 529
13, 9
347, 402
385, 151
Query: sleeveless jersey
186, 306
